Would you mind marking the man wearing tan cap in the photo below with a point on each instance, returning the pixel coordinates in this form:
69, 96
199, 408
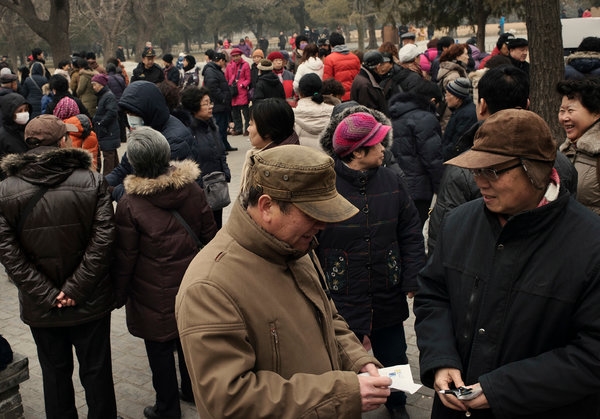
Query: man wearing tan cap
260, 334
499, 310
56, 234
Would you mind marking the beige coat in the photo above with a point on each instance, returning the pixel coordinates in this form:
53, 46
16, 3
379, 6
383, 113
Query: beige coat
260, 337
586, 157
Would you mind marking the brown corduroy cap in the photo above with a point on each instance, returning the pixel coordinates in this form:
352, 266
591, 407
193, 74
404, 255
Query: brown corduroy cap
303, 176
506, 135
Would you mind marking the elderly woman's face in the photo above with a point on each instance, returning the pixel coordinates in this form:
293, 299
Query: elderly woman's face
575, 118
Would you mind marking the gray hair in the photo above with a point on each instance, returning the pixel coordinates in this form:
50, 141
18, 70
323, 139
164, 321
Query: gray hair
148, 152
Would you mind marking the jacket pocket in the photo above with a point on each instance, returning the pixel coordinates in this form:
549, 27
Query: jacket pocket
275, 347
394, 270
336, 271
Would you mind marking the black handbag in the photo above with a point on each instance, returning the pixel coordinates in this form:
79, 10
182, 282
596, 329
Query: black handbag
233, 89
216, 190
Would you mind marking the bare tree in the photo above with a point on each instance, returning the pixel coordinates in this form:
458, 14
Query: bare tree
54, 29
109, 16
546, 56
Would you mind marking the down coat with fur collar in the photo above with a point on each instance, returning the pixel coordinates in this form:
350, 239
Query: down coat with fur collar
66, 240
153, 249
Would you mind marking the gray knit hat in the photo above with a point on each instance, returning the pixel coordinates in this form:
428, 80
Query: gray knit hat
461, 87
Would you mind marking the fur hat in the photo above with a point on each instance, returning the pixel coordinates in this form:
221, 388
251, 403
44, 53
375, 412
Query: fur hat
265, 65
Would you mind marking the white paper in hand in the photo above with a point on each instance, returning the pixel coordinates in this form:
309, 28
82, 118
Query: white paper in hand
401, 378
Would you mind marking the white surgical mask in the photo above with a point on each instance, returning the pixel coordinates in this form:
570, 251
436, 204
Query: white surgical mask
22, 118
135, 121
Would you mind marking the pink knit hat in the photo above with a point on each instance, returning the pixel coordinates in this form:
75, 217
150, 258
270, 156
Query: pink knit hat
358, 130
66, 108
275, 55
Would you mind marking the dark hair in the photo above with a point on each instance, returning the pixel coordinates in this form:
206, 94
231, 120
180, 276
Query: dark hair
35, 52
192, 96
167, 58
497, 61
273, 118
453, 52
90, 56
170, 91
333, 87
255, 192
111, 68
82, 63
113, 60
311, 50
191, 62
299, 39
587, 91
310, 86
336, 39
349, 157
210, 53
63, 63
589, 43
59, 83
504, 87
444, 42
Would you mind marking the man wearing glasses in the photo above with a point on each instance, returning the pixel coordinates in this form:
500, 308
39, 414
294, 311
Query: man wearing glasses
497, 311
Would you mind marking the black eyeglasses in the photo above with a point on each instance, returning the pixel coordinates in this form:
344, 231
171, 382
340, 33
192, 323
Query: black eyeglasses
492, 174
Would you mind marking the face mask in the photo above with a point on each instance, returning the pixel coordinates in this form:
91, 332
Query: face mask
22, 118
135, 121
303, 45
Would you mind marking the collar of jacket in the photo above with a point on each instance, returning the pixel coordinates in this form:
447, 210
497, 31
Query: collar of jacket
257, 240
588, 143
48, 165
180, 174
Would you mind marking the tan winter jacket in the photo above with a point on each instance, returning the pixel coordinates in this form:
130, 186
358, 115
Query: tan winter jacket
585, 156
260, 336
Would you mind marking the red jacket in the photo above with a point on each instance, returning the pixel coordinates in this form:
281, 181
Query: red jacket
342, 66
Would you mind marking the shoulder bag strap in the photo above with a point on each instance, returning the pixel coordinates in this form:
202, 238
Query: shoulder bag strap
30, 204
177, 215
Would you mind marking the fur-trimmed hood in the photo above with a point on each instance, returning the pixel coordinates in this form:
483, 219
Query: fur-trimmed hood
589, 142
180, 174
337, 116
46, 165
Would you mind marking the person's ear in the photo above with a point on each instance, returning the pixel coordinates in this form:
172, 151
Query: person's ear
482, 109
265, 207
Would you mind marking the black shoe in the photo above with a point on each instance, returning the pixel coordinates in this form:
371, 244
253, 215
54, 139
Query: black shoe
151, 413
399, 413
186, 397
231, 149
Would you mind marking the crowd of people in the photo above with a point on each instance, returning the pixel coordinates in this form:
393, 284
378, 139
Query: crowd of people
373, 177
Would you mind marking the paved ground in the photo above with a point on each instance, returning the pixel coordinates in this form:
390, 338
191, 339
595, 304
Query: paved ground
133, 383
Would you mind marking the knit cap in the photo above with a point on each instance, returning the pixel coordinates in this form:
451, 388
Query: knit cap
66, 108
408, 53
258, 53
460, 87
100, 79
358, 130
275, 55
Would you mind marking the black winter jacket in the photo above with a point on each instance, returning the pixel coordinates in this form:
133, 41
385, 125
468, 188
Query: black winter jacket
153, 74
367, 91
216, 83
144, 99
106, 121
12, 135
32, 88
371, 260
461, 120
66, 240
496, 303
417, 144
211, 150
268, 85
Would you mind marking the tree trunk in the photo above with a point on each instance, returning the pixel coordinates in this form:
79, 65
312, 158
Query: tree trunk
546, 57
481, 16
55, 30
371, 20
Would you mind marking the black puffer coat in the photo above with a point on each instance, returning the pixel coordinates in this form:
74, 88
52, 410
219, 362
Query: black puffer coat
32, 88
153, 249
371, 260
66, 240
212, 157
417, 144
216, 83
144, 99
462, 118
106, 121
